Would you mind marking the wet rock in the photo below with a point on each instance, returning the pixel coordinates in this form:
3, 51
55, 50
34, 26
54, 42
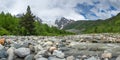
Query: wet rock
22, 52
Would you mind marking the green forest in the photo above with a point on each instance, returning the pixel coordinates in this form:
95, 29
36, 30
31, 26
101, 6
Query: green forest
26, 25
111, 25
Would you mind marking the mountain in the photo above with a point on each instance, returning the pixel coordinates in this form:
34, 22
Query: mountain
111, 25
63, 22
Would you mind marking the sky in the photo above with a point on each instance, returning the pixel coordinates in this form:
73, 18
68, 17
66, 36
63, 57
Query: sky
50, 10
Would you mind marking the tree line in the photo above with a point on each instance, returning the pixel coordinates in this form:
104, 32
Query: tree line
26, 25
111, 25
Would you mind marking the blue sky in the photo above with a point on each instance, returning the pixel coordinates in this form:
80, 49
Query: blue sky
50, 10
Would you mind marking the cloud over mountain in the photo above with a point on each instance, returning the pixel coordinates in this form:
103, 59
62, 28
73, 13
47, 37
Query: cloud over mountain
49, 10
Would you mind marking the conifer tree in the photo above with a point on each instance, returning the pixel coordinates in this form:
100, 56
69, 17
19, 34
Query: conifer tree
27, 22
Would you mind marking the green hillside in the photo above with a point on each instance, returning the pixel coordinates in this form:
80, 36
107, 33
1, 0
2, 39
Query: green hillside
111, 25
26, 25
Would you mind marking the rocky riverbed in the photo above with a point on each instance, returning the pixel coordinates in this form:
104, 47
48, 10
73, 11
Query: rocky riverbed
72, 47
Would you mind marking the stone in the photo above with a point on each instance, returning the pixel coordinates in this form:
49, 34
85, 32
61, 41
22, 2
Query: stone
63, 40
15, 45
58, 54
106, 54
3, 59
43, 53
22, 52
64, 49
10, 53
1, 47
54, 58
2, 41
48, 43
118, 58
29, 57
92, 58
42, 58
3, 53
70, 58
31, 47
73, 43
37, 48
51, 49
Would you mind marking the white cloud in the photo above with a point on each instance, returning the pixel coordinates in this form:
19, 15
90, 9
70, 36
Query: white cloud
49, 10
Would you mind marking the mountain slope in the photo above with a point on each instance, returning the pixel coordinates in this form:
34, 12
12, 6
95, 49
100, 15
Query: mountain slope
111, 25
62, 22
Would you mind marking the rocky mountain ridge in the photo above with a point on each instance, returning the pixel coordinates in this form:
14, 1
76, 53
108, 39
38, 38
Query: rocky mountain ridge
63, 22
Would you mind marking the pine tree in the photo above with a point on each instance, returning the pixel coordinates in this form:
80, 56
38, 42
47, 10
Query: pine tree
27, 22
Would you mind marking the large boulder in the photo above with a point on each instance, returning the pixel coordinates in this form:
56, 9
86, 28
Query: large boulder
22, 52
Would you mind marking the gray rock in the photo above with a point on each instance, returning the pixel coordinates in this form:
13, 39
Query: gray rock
31, 47
16, 45
22, 52
41, 58
70, 58
37, 48
3, 53
64, 49
54, 58
1, 47
63, 40
3, 59
92, 58
10, 53
43, 53
118, 58
29, 57
58, 54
